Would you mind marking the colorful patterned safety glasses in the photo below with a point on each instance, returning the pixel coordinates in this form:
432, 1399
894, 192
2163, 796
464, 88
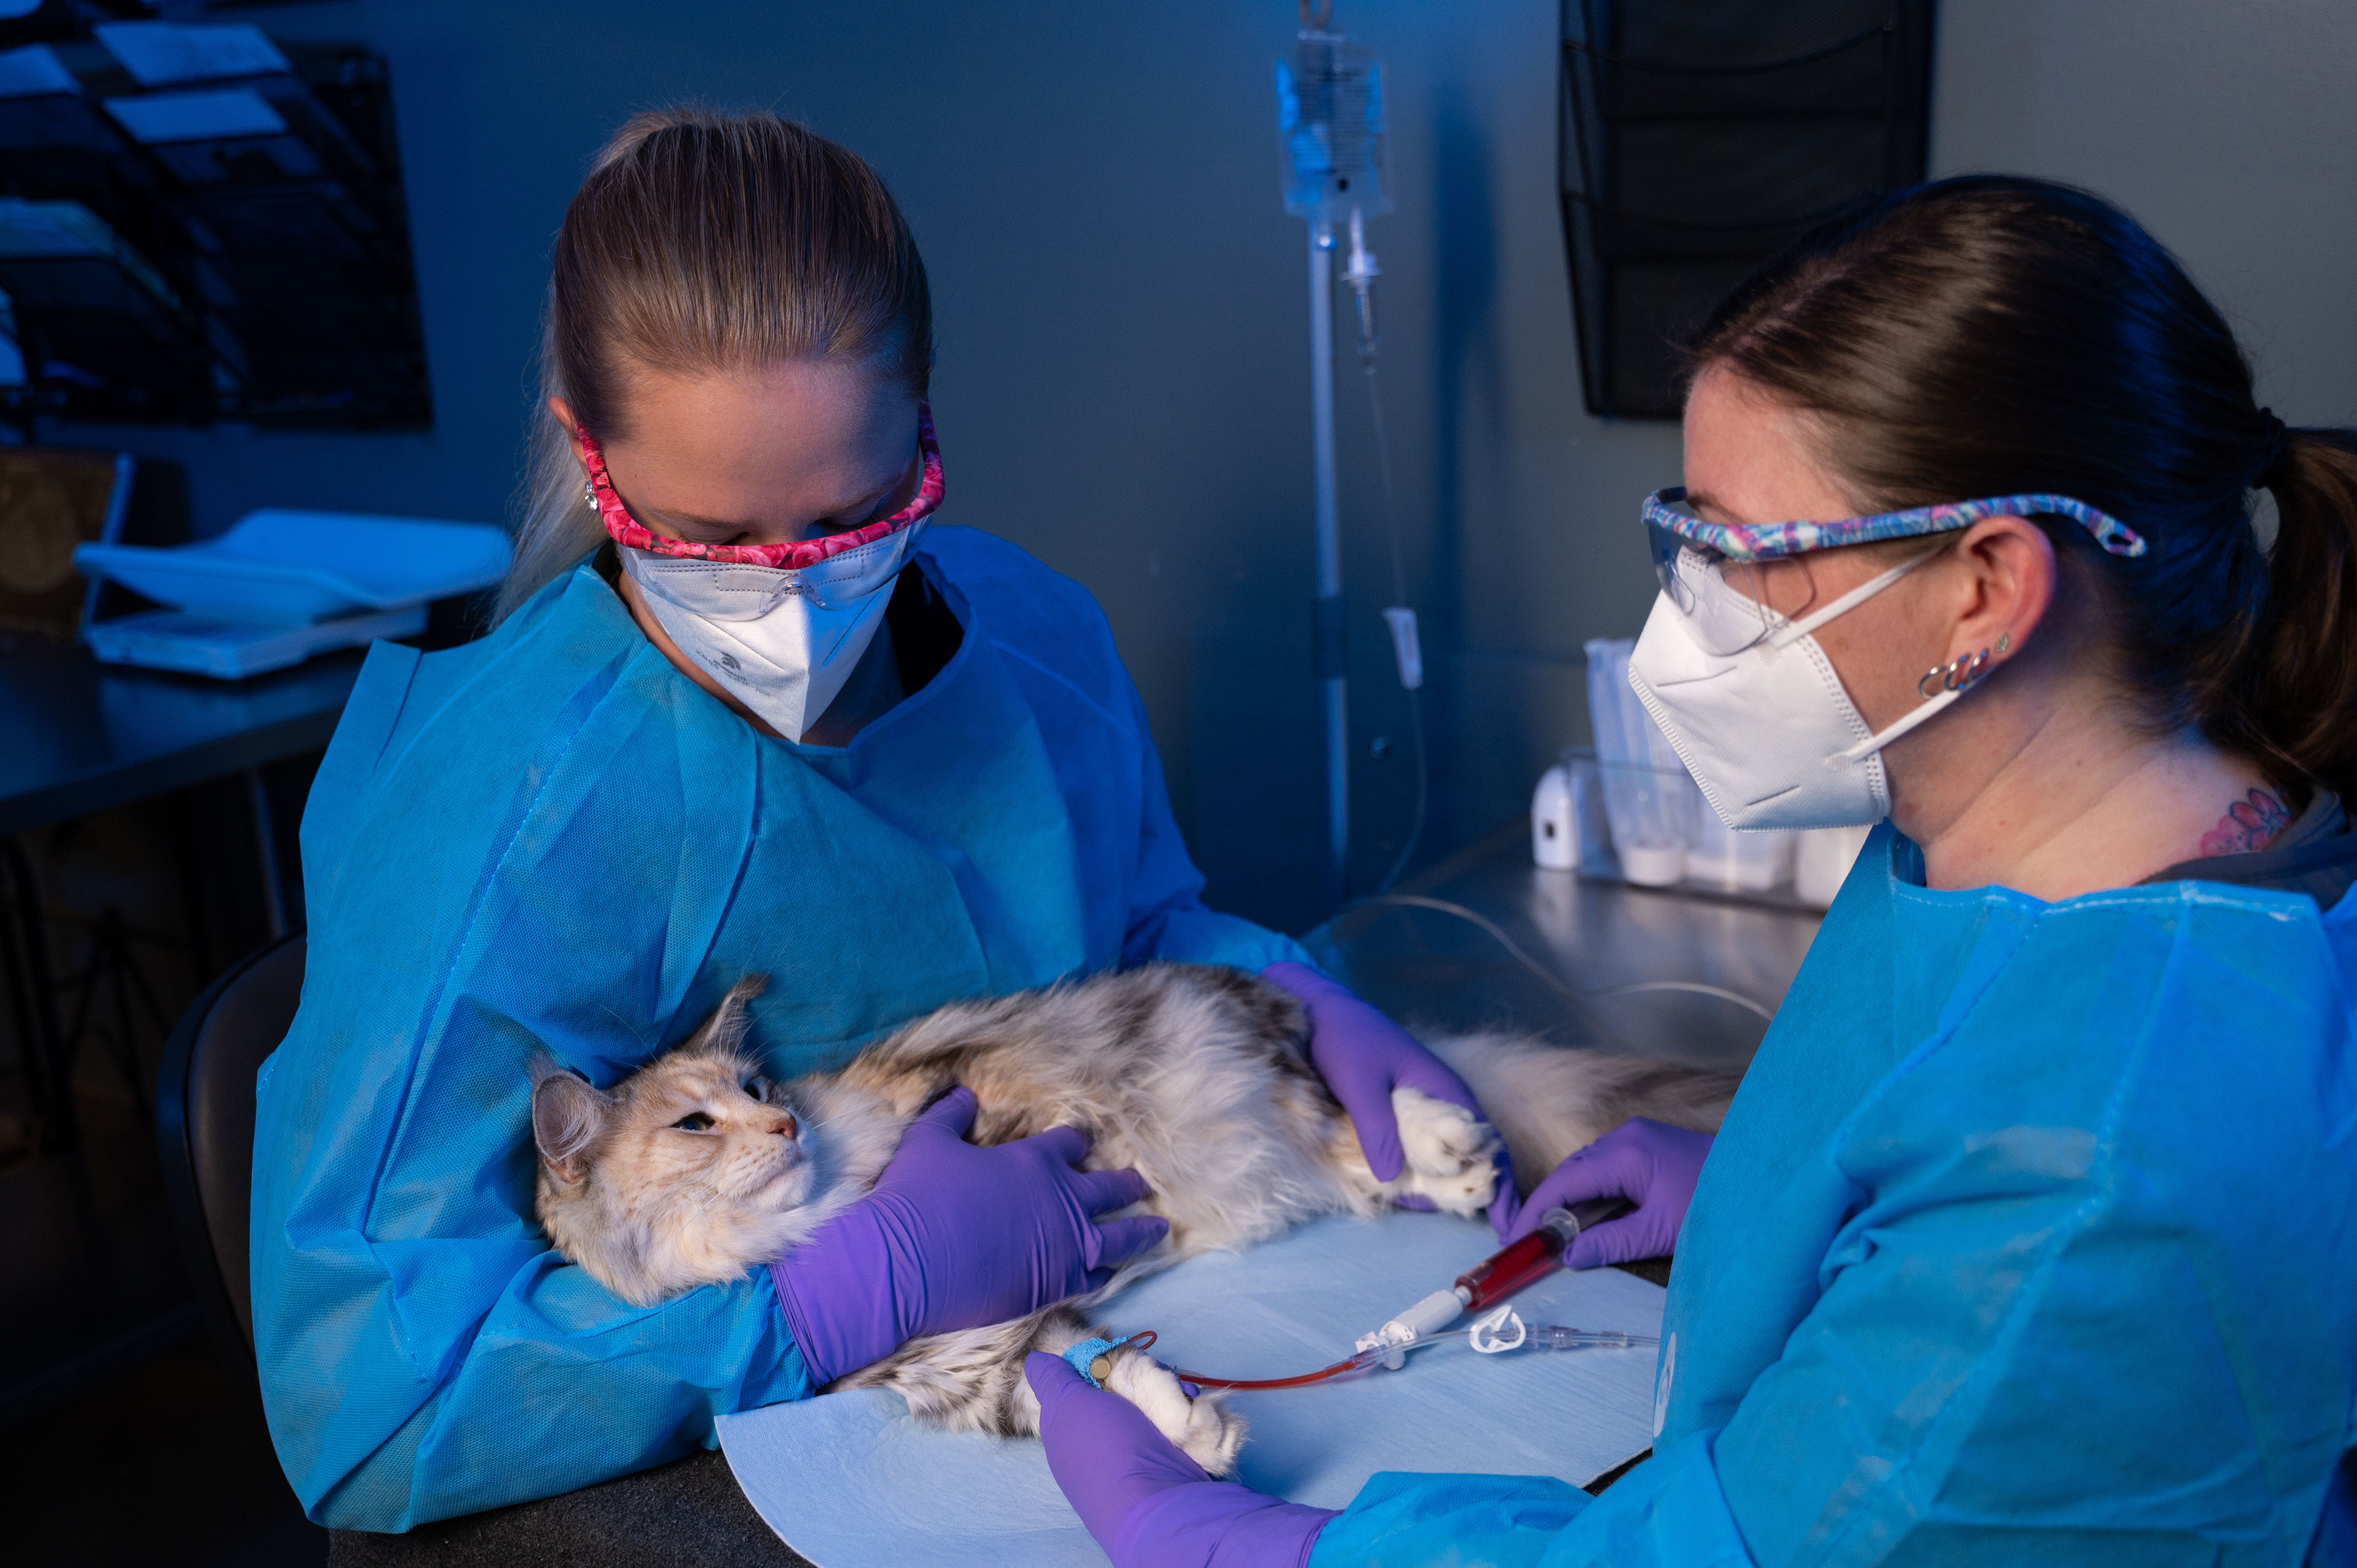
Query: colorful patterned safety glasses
1666, 510
792, 554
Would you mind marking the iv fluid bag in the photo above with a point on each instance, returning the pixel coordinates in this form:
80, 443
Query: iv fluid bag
1330, 113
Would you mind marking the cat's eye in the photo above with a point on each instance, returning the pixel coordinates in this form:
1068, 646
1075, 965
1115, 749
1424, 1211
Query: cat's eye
760, 1088
694, 1122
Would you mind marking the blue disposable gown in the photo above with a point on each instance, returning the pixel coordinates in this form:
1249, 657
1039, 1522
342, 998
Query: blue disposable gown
552, 838
2031, 1237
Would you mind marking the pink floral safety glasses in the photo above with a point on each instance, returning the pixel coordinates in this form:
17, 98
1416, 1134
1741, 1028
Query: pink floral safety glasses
628, 531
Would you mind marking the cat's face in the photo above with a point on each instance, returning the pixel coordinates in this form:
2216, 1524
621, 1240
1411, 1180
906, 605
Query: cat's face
699, 1130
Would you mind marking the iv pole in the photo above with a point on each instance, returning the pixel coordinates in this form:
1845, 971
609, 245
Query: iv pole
1330, 115
1330, 644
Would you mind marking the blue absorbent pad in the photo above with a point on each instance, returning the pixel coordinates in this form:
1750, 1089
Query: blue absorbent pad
850, 1479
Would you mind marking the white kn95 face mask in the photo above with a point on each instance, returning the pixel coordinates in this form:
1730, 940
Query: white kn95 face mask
1767, 732
781, 640
780, 626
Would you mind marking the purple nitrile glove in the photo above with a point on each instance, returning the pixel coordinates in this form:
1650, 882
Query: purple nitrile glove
955, 1237
1148, 1505
1651, 1165
1363, 1056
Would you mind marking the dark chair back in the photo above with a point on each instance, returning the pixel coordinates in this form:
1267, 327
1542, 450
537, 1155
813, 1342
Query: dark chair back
204, 1122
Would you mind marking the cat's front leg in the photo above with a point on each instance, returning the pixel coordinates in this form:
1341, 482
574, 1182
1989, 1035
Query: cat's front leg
1452, 1154
1202, 1427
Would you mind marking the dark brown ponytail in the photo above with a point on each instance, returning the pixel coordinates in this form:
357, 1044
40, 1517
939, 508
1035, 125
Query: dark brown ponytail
1993, 335
2296, 685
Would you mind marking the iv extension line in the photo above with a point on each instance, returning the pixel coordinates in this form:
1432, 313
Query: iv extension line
1541, 1336
1699, 989
1578, 1000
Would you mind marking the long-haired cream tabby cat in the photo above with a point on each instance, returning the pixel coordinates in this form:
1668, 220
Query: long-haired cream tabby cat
697, 1169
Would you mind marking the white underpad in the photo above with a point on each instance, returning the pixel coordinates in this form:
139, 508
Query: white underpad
849, 1479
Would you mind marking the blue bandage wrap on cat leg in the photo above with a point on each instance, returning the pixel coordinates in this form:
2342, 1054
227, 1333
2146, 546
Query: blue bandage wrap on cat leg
1085, 1355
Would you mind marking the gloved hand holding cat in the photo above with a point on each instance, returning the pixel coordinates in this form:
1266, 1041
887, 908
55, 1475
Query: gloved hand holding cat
1363, 1057
957, 1236
1139, 1496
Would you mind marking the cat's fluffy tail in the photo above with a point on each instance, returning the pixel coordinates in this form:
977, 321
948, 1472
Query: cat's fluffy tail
1547, 1101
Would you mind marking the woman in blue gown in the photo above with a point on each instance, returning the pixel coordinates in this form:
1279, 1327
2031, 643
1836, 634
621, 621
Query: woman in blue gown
2031, 1235
746, 712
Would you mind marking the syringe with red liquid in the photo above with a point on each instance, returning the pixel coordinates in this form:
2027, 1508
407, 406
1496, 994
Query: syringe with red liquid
1492, 1279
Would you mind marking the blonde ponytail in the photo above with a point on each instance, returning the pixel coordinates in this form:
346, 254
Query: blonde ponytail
706, 243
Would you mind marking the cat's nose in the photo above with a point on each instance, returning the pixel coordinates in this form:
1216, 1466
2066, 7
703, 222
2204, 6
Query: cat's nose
784, 1125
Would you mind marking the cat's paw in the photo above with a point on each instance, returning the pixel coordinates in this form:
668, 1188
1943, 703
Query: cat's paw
1204, 1429
1452, 1154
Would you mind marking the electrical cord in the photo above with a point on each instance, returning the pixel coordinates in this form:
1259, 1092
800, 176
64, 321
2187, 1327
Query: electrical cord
1580, 1000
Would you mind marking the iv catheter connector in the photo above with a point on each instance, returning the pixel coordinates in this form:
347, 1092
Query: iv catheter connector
1556, 1336
1434, 1312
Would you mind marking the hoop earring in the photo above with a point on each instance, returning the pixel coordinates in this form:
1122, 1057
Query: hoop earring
1955, 675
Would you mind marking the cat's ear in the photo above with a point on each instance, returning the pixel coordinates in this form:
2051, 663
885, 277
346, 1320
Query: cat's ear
725, 1031
568, 1116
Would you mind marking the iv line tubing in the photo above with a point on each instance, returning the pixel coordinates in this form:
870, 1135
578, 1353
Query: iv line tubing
1577, 999
1399, 596
1699, 989
1359, 1362
1320, 1376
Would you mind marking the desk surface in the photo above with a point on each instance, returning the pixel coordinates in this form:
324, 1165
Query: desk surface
1430, 967
79, 737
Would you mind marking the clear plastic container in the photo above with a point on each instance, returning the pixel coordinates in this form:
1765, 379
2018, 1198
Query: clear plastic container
1821, 860
1750, 861
1648, 797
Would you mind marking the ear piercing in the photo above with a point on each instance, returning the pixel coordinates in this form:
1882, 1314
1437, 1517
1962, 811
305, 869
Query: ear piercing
1954, 675
1961, 671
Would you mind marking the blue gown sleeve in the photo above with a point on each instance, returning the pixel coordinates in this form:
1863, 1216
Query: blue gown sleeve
1499, 1521
1666, 1510
2057, 1323
423, 1352
1168, 917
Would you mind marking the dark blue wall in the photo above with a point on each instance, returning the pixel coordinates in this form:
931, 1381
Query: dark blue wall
1122, 385
1123, 379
